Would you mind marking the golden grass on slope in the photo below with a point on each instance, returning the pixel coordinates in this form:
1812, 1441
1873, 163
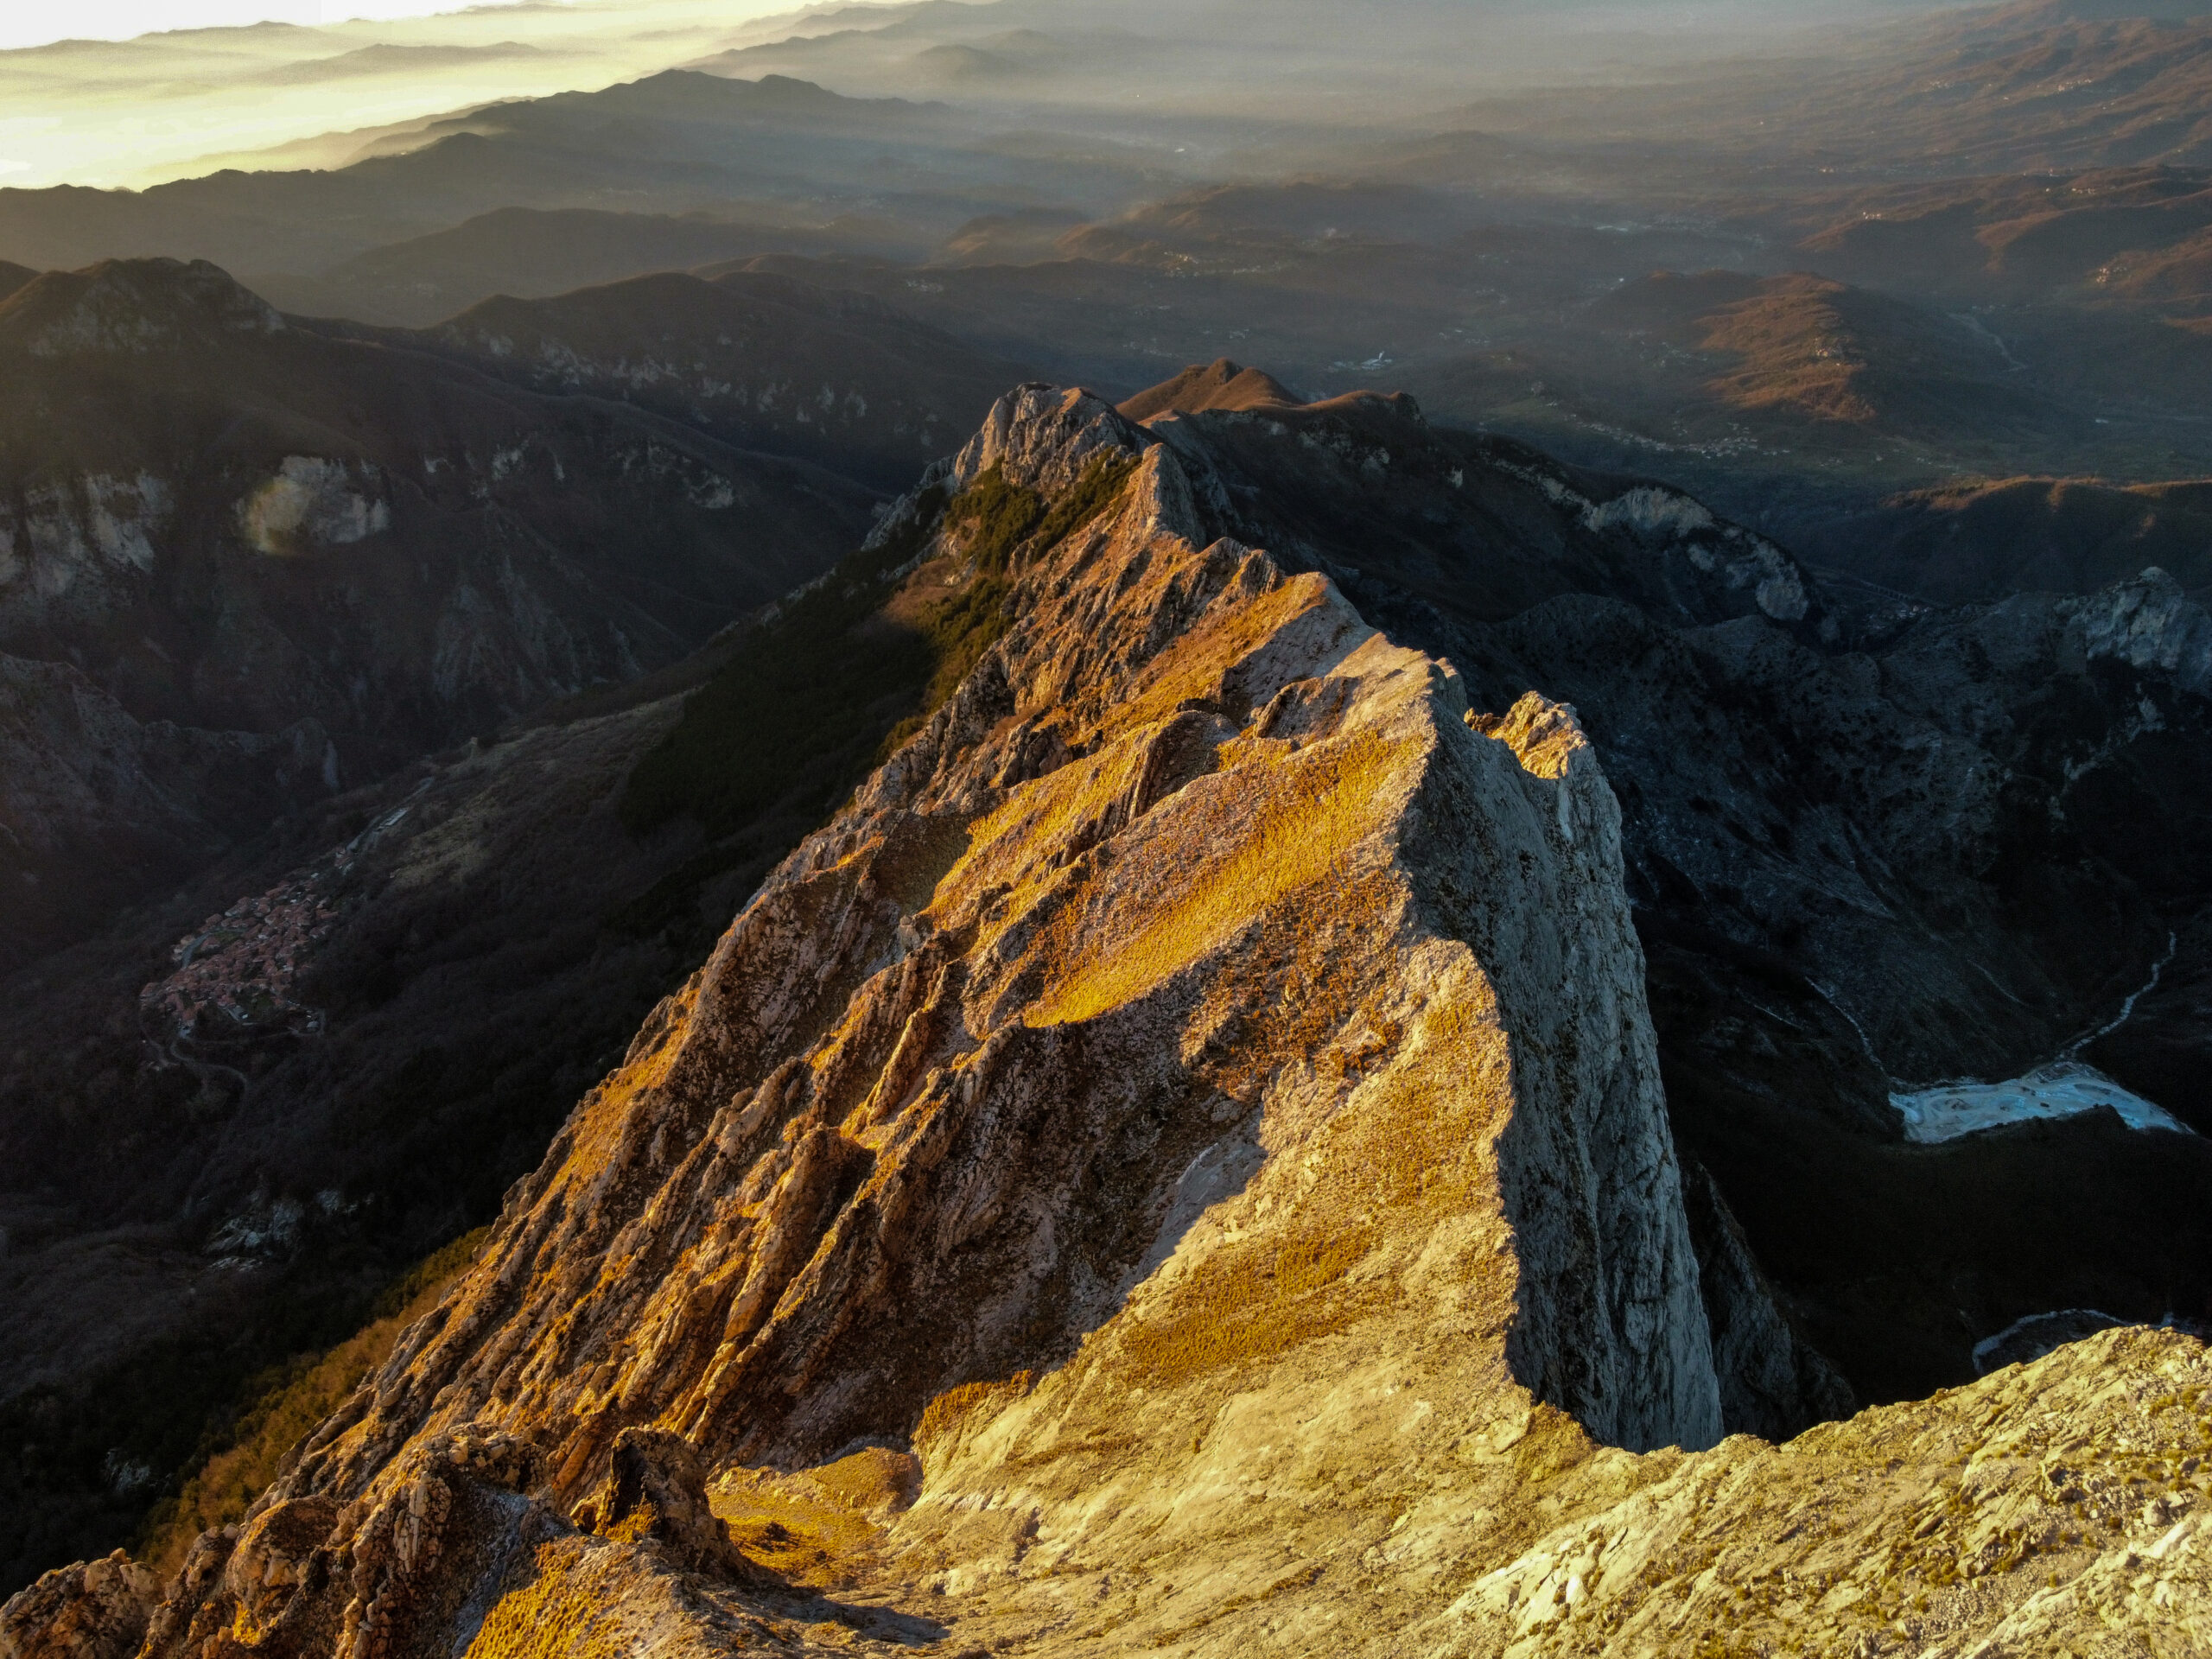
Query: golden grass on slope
1038, 816
945, 1415
1194, 666
1251, 1304
1409, 1155
1799, 353
813, 1527
292, 1402
1287, 824
556, 1615
1391, 1169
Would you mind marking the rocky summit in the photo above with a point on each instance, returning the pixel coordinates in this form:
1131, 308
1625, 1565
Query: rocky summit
1179, 1164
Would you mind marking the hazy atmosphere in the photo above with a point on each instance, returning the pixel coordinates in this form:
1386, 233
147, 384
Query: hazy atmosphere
1023, 827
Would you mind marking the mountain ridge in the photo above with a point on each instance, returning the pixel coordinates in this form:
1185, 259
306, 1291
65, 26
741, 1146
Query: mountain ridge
1434, 1204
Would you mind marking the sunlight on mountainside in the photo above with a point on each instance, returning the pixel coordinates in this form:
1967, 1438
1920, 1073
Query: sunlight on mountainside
165, 105
1106, 829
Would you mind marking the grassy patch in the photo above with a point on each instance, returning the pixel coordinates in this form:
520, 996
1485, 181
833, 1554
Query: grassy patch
946, 1413
993, 517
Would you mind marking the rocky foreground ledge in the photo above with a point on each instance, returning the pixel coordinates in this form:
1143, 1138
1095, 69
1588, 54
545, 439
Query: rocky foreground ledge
1178, 1166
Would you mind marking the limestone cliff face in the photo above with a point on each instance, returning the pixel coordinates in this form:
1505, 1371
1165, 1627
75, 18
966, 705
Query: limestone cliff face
1177, 1164
759, 361
232, 520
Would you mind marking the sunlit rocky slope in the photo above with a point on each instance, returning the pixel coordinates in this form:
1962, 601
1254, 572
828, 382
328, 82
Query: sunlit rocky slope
1177, 1164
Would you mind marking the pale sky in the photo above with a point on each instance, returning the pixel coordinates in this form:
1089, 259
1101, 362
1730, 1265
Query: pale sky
27, 23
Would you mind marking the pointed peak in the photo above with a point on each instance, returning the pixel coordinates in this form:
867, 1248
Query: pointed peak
1044, 436
132, 306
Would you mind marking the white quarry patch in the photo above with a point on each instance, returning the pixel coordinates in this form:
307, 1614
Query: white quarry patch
310, 498
121, 510
1782, 596
2028, 1340
1650, 512
57, 545
2063, 1088
2149, 623
73, 530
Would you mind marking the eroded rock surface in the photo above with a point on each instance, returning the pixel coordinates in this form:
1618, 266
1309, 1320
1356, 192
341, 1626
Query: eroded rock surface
1197, 1109
96, 1610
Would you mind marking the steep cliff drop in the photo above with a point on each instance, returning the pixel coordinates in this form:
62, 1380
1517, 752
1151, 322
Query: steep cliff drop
1177, 1165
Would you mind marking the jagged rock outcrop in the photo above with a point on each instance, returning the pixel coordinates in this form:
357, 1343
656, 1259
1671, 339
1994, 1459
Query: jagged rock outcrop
1051, 903
1198, 1097
96, 1610
1868, 849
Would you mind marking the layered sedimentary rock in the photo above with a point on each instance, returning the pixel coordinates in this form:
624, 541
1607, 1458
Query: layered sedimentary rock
1177, 1164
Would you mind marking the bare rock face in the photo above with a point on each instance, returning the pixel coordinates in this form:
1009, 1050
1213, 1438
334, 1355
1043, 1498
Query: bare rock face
657, 1488
1198, 1100
1771, 1379
232, 520
2042, 1512
97, 1610
1041, 436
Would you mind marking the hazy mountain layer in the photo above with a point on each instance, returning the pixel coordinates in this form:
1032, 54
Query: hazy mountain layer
756, 360
672, 144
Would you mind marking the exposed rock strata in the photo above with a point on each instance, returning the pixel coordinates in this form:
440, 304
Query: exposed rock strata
1199, 1095
96, 1610
1865, 847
